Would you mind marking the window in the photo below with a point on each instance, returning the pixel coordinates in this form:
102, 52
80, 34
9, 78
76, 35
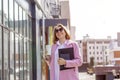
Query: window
28, 26
97, 52
17, 57
29, 57
24, 23
89, 47
106, 52
5, 12
97, 58
21, 56
5, 48
0, 52
15, 50
25, 59
89, 52
12, 55
11, 18
20, 20
94, 52
0, 12
16, 16
97, 47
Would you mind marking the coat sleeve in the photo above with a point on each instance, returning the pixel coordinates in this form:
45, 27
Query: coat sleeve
51, 62
52, 49
77, 55
50, 57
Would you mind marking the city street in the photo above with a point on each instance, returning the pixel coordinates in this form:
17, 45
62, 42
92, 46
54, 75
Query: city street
85, 76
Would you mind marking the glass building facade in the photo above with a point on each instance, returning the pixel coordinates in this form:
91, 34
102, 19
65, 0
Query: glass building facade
15, 41
24, 34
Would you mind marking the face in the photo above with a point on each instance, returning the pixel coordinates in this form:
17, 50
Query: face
60, 33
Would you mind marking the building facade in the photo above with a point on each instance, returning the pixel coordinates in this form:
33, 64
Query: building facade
15, 40
99, 49
24, 36
118, 38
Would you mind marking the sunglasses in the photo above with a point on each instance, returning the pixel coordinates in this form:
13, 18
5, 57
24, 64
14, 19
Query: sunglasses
60, 29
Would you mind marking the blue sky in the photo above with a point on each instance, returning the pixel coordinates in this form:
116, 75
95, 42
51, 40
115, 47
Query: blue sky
97, 18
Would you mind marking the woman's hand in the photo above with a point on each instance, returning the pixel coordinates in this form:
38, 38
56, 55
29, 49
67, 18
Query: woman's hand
47, 59
61, 61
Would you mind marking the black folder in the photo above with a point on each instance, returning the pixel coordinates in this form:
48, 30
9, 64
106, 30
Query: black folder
67, 54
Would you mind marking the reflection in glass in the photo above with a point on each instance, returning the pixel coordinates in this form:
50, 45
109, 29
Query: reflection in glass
16, 17
28, 26
5, 12
11, 56
21, 58
6, 55
20, 20
0, 13
24, 23
0, 53
11, 20
16, 57
25, 60
29, 58
30, 30
28, 65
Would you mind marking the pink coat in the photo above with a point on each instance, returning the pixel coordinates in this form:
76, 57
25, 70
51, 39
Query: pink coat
70, 74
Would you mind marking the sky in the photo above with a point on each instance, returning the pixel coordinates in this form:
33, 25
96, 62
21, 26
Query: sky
97, 18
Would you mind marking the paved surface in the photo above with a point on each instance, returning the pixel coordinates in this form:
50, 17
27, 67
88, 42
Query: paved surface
85, 76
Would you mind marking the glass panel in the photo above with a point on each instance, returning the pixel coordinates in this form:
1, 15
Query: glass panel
11, 19
24, 23
11, 56
0, 12
17, 59
28, 60
28, 27
16, 17
29, 57
20, 20
0, 53
25, 60
5, 12
6, 74
21, 59
30, 30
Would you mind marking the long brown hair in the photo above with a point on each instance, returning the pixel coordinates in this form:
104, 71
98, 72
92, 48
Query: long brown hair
67, 36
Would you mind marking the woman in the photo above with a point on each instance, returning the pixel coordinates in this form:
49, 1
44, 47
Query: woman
61, 39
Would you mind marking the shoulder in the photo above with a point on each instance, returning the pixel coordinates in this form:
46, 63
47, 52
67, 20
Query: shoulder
72, 42
53, 45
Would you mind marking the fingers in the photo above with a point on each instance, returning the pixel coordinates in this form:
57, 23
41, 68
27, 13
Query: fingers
61, 61
47, 57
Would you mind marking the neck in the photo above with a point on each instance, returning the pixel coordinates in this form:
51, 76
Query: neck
62, 41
